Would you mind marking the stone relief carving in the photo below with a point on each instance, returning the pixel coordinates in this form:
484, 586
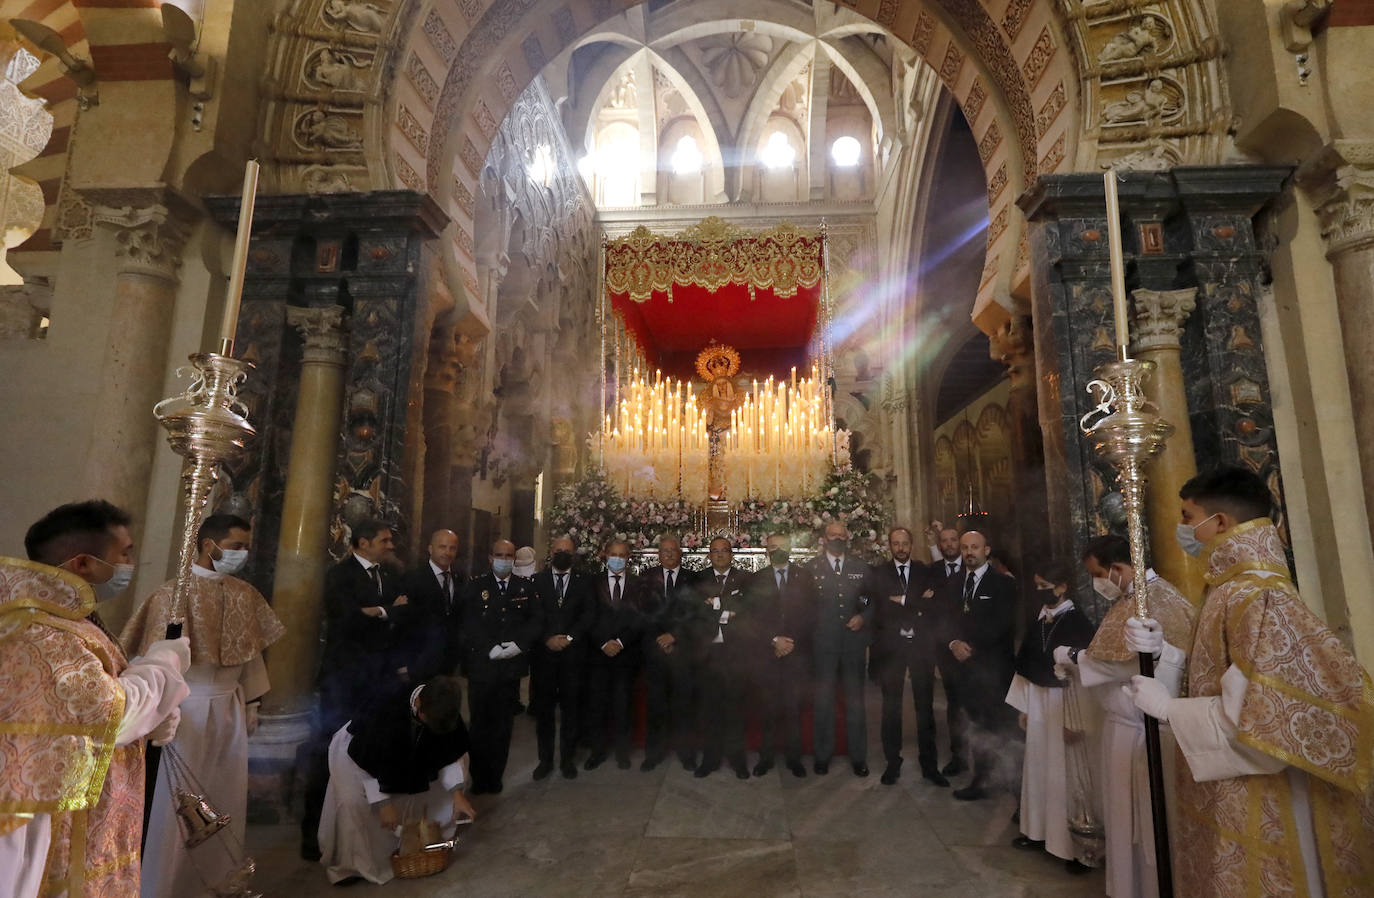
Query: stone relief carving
624, 94
334, 69
324, 179
354, 15
316, 129
1161, 100
735, 60
1150, 34
1159, 155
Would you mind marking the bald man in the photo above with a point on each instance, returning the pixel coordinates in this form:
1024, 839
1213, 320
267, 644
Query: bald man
500, 624
980, 633
426, 631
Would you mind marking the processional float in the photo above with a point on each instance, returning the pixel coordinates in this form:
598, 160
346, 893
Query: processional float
1126, 430
208, 427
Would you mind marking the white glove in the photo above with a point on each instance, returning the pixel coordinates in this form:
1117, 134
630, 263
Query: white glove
1150, 696
1061, 658
495, 653
1063, 672
509, 650
1144, 636
167, 730
176, 652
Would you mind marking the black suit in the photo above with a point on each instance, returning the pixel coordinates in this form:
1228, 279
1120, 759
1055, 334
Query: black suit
985, 618
556, 677
721, 678
839, 650
669, 683
493, 614
937, 575
908, 639
356, 666
779, 683
610, 679
427, 628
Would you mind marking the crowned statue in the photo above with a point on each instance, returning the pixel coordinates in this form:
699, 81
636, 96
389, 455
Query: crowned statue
718, 364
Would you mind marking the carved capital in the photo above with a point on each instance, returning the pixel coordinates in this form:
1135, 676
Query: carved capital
322, 329
1013, 346
148, 239
1340, 181
1159, 317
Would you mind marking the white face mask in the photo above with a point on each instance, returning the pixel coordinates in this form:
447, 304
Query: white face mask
231, 561
615, 564
1186, 534
119, 581
1106, 589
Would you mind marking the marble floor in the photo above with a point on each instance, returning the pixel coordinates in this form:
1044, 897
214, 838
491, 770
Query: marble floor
665, 833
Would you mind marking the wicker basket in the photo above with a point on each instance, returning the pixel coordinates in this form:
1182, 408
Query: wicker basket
420, 863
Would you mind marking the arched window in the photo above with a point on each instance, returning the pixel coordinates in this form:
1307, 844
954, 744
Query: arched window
845, 151
777, 152
686, 157
780, 158
616, 165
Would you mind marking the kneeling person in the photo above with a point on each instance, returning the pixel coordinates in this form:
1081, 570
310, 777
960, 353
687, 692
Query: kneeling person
404, 760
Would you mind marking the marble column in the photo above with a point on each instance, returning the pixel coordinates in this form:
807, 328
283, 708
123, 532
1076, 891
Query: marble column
148, 244
1159, 316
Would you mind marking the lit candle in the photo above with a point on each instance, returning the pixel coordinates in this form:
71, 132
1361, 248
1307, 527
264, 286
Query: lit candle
1118, 267
233, 298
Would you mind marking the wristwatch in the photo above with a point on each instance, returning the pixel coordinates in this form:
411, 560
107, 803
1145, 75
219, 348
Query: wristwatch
1073, 655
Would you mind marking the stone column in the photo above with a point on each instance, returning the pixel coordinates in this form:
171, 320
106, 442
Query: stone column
148, 245
441, 380
1159, 316
302, 550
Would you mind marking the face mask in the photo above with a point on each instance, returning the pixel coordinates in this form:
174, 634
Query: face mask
779, 556
502, 567
615, 564
1106, 589
1186, 534
836, 547
562, 560
231, 561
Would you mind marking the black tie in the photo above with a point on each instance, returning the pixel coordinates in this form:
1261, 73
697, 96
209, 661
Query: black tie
782, 579
448, 590
838, 562
901, 572
968, 588
561, 587
669, 588
615, 590
375, 572
720, 579
501, 586
952, 568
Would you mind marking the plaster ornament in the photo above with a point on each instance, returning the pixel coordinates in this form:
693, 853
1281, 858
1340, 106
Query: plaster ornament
1158, 156
735, 60
1150, 34
624, 95
323, 179
317, 129
1157, 101
339, 70
356, 15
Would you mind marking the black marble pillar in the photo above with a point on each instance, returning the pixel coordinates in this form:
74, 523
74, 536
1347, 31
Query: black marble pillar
360, 251
1189, 227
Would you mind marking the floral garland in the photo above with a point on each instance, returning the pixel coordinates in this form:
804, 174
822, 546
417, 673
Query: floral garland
592, 512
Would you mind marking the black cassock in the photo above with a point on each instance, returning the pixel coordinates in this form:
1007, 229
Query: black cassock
401, 753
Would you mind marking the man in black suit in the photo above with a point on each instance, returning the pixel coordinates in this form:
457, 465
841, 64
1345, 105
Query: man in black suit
500, 624
782, 600
721, 632
357, 662
980, 632
947, 564
907, 634
567, 605
664, 593
426, 629
844, 622
614, 659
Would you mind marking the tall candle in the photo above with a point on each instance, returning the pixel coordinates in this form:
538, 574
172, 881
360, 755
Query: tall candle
229, 325
1118, 267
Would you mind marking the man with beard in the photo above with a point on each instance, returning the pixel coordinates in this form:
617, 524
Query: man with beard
567, 607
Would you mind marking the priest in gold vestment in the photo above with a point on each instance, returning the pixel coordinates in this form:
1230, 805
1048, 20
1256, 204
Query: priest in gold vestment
229, 624
1276, 732
74, 713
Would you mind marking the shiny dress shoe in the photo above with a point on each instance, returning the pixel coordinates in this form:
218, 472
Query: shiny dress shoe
594, 762
762, 768
953, 768
821, 768
797, 769
622, 763
543, 770
1027, 843
970, 793
861, 770
935, 777
689, 761
891, 774
1077, 869
569, 771
648, 764
741, 770
706, 770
